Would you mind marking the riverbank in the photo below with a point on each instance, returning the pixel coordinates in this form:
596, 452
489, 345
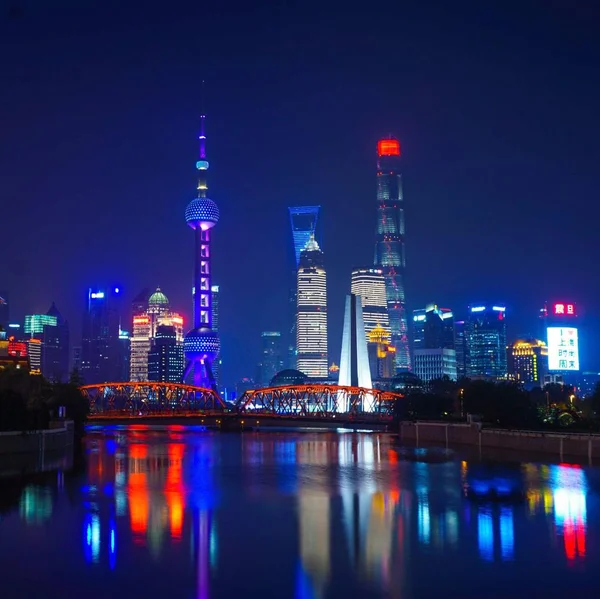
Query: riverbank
547, 443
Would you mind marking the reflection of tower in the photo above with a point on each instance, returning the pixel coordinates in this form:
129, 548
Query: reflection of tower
201, 344
313, 514
389, 247
304, 223
354, 361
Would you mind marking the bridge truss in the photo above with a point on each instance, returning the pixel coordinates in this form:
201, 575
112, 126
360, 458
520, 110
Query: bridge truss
319, 401
135, 398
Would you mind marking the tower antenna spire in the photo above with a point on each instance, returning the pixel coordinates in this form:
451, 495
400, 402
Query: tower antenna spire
202, 164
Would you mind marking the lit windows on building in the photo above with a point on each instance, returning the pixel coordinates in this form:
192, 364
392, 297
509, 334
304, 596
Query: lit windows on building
145, 325
432, 364
311, 319
35, 323
528, 361
485, 335
369, 284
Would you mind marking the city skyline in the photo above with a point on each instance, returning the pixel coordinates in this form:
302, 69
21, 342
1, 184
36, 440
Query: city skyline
468, 152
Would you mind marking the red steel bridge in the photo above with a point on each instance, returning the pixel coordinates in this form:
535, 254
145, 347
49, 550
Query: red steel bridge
312, 402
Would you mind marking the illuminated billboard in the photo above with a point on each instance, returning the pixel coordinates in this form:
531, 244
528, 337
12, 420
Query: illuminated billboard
561, 309
563, 348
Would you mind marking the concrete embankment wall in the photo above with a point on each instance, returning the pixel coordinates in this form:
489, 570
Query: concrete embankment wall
58, 437
558, 444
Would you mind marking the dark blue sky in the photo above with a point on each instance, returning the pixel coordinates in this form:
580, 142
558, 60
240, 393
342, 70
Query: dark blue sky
495, 104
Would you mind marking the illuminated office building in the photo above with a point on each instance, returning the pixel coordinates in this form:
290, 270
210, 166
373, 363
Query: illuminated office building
303, 220
4, 310
214, 291
528, 361
165, 360
389, 247
34, 351
100, 346
432, 364
145, 324
460, 347
271, 358
485, 335
311, 328
369, 284
382, 355
433, 328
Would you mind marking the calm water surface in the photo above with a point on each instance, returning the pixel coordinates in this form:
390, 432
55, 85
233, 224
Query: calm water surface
185, 513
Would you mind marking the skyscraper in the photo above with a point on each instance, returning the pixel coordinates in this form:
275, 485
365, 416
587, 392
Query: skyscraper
214, 291
55, 351
528, 361
165, 359
485, 334
311, 328
145, 325
369, 284
201, 344
433, 328
460, 346
100, 346
271, 357
389, 246
303, 220
304, 224
4, 310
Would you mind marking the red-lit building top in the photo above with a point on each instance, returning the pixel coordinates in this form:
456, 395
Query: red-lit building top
388, 147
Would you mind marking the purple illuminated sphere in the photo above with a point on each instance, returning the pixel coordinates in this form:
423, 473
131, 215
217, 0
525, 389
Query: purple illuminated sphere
201, 344
203, 213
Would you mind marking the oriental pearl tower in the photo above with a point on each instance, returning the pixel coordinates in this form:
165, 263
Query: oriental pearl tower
201, 345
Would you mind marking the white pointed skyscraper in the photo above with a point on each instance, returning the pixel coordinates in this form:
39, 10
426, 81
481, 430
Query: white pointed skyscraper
311, 325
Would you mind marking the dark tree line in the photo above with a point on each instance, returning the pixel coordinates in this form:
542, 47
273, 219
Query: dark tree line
503, 404
29, 402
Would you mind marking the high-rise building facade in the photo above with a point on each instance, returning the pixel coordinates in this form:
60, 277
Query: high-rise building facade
100, 348
214, 291
485, 335
460, 346
55, 351
382, 355
528, 361
431, 364
311, 327
165, 360
303, 220
145, 324
271, 358
389, 246
201, 344
433, 328
369, 284
4, 310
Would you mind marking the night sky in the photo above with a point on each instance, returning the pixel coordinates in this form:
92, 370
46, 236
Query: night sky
495, 105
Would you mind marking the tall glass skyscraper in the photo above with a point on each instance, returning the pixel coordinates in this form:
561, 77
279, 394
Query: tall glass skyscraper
369, 284
271, 359
485, 335
303, 220
389, 245
311, 328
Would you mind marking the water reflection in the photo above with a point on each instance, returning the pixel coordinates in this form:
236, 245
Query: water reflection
339, 513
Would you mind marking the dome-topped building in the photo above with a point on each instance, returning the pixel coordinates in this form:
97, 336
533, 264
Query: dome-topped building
158, 298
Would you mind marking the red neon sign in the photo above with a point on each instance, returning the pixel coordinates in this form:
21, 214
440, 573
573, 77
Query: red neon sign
388, 147
563, 309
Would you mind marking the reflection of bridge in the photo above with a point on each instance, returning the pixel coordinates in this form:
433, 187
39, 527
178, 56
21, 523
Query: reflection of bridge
311, 402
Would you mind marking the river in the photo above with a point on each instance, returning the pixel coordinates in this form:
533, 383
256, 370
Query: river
181, 512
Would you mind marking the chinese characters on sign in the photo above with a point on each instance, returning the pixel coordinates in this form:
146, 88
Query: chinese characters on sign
564, 309
563, 348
